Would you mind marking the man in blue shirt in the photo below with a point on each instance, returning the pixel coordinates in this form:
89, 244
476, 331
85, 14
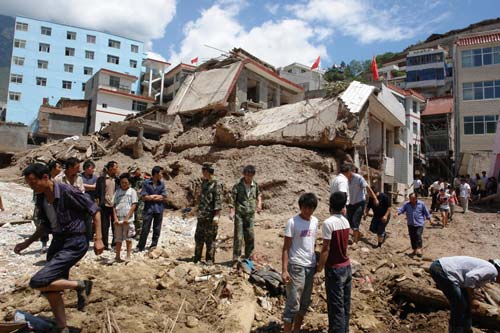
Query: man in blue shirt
416, 214
153, 193
62, 210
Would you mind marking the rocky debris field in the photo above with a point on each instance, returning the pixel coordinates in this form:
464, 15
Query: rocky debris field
162, 291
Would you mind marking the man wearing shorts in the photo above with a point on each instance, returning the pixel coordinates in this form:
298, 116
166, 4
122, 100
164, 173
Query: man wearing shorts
62, 211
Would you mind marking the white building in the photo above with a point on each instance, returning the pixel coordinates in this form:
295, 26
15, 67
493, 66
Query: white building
303, 76
112, 98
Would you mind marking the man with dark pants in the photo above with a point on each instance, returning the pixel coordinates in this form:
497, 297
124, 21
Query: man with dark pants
357, 201
245, 201
208, 215
338, 273
153, 193
457, 277
105, 190
416, 214
62, 209
89, 183
381, 206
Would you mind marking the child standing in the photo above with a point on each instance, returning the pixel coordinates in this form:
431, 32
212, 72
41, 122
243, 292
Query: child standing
299, 262
444, 206
338, 274
125, 202
453, 201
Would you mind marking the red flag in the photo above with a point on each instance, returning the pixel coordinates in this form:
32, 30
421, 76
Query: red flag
374, 69
194, 60
316, 64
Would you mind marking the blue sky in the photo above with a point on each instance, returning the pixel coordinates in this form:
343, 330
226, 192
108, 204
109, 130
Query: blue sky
279, 32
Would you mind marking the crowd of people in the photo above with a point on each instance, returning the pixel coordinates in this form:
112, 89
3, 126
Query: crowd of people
79, 206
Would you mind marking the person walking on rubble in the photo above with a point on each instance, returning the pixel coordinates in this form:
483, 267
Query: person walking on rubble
153, 194
209, 208
457, 277
381, 206
62, 209
299, 262
245, 201
416, 214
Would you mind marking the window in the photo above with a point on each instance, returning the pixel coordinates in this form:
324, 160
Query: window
43, 64
41, 81
481, 90
89, 55
415, 128
104, 105
21, 26
20, 43
43, 47
91, 39
46, 31
88, 70
415, 107
480, 124
139, 106
113, 59
83, 86
68, 68
16, 78
114, 81
133, 63
71, 35
19, 61
70, 52
14, 96
134, 48
481, 57
113, 43
66, 84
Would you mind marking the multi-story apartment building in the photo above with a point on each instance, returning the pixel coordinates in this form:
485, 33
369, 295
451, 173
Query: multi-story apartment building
51, 60
477, 98
112, 98
174, 79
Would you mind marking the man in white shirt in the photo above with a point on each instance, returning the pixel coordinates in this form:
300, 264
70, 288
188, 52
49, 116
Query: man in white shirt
71, 174
341, 182
465, 192
417, 185
358, 187
457, 277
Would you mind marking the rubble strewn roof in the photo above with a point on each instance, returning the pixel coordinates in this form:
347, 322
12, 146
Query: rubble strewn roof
356, 95
438, 105
484, 38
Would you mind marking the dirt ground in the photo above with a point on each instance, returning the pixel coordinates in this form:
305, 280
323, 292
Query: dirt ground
159, 292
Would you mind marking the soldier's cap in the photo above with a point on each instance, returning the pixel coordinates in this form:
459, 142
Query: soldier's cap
133, 168
208, 166
496, 263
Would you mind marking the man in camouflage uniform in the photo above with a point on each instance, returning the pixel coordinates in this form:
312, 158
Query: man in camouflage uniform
136, 181
245, 201
208, 215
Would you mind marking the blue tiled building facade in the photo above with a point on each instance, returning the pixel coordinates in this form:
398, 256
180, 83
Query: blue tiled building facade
51, 60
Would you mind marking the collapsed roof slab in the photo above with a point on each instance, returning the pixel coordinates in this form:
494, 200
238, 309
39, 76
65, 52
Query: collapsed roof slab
318, 123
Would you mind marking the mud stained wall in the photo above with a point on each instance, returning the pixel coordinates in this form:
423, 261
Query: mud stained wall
66, 125
13, 138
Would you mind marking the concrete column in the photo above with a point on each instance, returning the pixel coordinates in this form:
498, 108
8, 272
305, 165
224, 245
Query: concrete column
277, 96
161, 87
150, 85
263, 94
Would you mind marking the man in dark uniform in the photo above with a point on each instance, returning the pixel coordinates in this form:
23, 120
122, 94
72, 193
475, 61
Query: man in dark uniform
62, 209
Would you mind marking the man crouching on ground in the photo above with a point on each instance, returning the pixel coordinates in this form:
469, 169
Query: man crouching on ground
62, 211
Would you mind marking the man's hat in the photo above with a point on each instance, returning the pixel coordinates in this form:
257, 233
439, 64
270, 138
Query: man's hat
208, 166
496, 263
133, 168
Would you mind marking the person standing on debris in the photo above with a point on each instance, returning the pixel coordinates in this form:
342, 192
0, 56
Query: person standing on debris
125, 202
457, 277
465, 192
453, 201
153, 194
62, 208
417, 186
299, 262
136, 182
208, 215
55, 168
358, 187
105, 190
246, 200
89, 183
434, 190
71, 174
341, 182
338, 273
381, 206
444, 206
416, 214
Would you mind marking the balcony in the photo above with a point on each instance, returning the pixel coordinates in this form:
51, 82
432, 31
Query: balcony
425, 83
119, 88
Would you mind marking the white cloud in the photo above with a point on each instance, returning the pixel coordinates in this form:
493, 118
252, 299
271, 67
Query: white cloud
362, 20
272, 8
142, 20
276, 42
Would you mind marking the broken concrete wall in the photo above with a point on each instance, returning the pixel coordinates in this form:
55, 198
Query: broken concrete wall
14, 137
